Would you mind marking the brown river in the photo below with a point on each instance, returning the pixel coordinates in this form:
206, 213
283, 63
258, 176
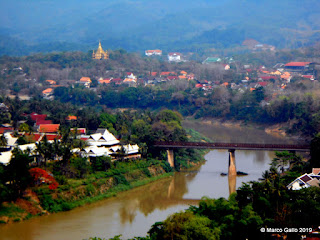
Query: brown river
133, 212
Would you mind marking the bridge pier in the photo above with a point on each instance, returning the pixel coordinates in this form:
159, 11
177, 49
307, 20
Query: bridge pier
232, 163
170, 157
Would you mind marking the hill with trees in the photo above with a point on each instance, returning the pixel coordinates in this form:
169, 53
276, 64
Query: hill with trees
155, 24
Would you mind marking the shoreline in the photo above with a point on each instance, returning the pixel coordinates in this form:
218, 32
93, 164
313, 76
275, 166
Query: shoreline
14, 216
276, 130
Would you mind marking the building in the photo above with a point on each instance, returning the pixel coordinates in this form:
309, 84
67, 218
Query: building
306, 180
102, 137
86, 81
297, 66
156, 52
174, 57
49, 128
100, 53
104, 143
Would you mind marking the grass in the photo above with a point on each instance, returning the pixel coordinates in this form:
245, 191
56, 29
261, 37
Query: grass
10, 210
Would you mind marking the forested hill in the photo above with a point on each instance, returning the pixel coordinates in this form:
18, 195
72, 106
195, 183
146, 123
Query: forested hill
40, 26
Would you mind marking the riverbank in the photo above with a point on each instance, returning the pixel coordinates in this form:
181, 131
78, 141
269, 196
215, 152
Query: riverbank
39, 201
72, 193
276, 132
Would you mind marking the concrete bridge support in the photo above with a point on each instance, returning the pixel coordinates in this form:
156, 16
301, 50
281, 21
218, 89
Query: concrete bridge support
232, 172
170, 157
232, 162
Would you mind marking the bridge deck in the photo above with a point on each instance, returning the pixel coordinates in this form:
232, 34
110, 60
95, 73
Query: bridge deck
234, 146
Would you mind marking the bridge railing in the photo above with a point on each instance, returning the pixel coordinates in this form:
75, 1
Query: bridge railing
240, 146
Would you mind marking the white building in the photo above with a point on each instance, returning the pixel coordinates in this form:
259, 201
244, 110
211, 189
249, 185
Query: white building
306, 180
156, 52
174, 57
102, 138
104, 143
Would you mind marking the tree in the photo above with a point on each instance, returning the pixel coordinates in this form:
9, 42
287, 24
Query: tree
45, 149
315, 151
184, 226
19, 177
3, 141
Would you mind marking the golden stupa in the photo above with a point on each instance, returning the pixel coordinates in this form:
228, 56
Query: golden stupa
100, 54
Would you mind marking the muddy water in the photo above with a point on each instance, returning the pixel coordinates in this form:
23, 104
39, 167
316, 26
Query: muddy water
133, 212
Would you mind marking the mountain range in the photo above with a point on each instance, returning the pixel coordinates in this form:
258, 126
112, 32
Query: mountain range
136, 25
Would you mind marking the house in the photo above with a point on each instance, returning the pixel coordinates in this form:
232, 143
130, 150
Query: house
105, 81
47, 93
153, 74
117, 81
131, 82
174, 57
156, 52
162, 74
311, 77
86, 81
51, 82
71, 118
226, 66
306, 180
297, 66
131, 75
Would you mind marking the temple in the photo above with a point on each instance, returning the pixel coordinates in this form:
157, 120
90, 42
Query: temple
100, 54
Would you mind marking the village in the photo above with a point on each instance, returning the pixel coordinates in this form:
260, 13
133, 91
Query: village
100, 143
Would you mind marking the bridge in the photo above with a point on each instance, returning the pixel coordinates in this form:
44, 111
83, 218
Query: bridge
231, 147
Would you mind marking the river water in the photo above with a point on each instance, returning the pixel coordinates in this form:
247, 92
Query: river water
132, 213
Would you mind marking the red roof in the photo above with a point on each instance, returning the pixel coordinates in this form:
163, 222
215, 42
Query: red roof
297, 64
79, 130
172, 77
51, 137
33, 137
71, 117
36, 117
117, 80
199, 85
5, 129
152, 51
40, 121
166, 73
174, 54
263, 84
307, 76
267, 77
49, 128
154, 74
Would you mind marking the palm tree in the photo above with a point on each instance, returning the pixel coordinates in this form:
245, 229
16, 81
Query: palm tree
45, 149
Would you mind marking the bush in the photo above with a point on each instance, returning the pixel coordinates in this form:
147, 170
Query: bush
90, 190
62, 180
120, 179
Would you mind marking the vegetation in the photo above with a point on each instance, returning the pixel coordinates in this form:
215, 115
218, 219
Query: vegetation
255, 205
